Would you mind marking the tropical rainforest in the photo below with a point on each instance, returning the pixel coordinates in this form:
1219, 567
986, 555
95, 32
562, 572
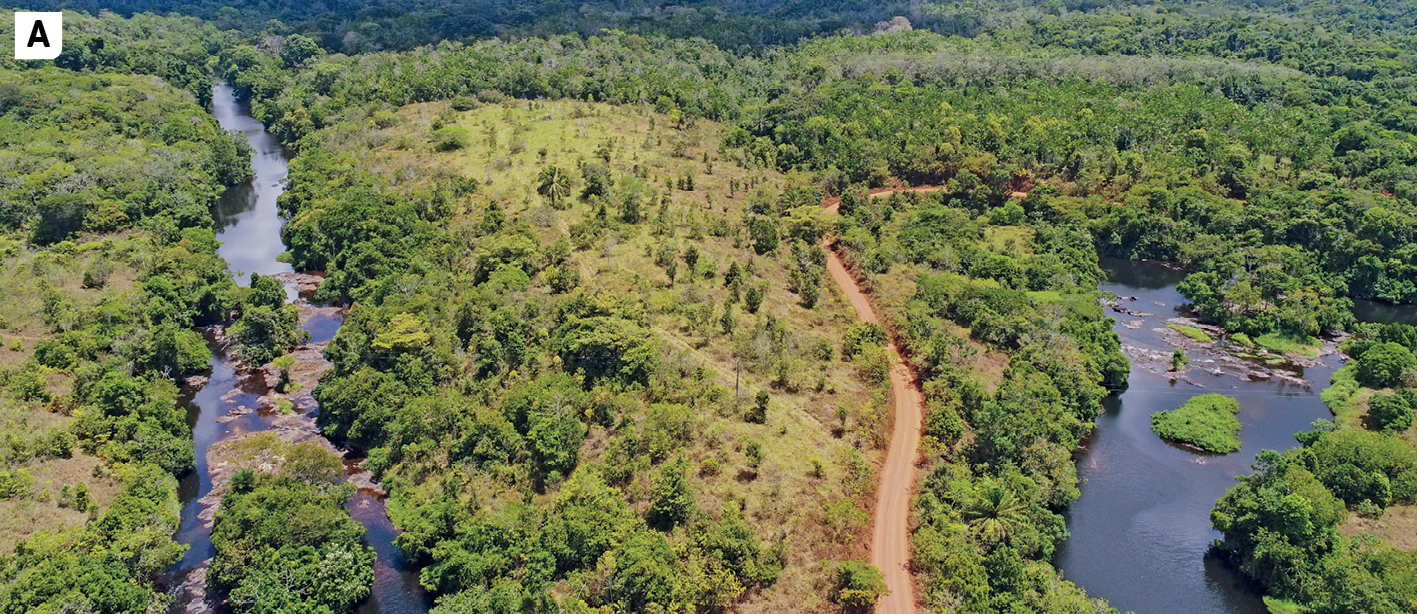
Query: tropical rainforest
594, 348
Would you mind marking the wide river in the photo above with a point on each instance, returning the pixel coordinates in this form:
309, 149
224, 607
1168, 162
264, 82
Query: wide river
248, 223
1141, 531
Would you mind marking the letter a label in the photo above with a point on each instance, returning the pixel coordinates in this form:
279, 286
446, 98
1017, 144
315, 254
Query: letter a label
38, 36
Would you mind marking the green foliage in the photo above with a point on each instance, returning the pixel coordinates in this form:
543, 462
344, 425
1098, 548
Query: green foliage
859, 585
1289, 344
1192, 332
265, 292
146, 151
127, 419
757, 413
858, 337
1280, 525
1383, 365
554, 184
672, 501
1206, 421
106, 565
763, 233
753, 298
288, 544
265, 333
605, 346
451, 138
1393, 412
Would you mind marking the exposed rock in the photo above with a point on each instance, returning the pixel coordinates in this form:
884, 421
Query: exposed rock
304, 283
896, 24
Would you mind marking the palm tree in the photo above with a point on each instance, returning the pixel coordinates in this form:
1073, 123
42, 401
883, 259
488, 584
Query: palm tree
554, 184
995, 512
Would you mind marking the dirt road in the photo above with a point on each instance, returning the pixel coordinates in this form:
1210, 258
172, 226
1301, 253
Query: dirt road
890, 525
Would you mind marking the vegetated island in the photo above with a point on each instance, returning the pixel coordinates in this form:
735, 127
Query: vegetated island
1207, 422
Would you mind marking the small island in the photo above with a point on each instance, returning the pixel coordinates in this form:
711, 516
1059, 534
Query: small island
1207, 422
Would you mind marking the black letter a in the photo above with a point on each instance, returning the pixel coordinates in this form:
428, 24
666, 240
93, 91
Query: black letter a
37, 35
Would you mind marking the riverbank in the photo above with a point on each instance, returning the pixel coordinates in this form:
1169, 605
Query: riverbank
238, 417
1141, 533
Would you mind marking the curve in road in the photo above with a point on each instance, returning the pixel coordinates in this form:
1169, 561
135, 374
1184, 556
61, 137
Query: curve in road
890, 523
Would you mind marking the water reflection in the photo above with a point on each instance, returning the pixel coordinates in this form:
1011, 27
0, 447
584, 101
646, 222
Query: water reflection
249, 225
248, 221
1384, 313
1141, 532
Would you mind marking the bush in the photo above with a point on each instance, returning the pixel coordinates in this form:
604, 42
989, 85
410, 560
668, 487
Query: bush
1382, 365
873, 364
859, 336
451, 138
758, 413
1207, 422
764, 234
754, 451
944, 424
29, 385
859, 585
96, 274
1392, 412
1404, 488
55, 443
753, 299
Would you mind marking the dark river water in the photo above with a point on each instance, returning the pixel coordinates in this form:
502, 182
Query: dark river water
249, 225
1141, 531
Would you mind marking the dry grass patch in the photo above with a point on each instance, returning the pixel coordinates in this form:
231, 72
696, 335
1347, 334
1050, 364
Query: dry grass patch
23, 517
1397, 526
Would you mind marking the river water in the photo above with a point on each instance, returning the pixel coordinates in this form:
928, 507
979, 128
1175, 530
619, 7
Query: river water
248, 223
1141, 531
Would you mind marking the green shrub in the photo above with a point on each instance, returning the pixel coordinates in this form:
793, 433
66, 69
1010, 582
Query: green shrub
1207, 422
464, 103
96, 274
1404, 488
754, 451
859, 336
758, 413
753, 299
859, 585
451, 138
1382, 365
1392, 412
944, 424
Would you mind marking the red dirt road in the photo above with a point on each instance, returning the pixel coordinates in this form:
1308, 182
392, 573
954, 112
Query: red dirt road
890, 530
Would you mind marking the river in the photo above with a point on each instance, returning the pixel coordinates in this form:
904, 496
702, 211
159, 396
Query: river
1141, 534
248, 224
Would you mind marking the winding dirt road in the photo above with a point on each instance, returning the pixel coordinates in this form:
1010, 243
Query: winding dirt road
890, 525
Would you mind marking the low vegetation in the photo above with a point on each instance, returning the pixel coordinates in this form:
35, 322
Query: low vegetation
1195, 334
1207, 422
